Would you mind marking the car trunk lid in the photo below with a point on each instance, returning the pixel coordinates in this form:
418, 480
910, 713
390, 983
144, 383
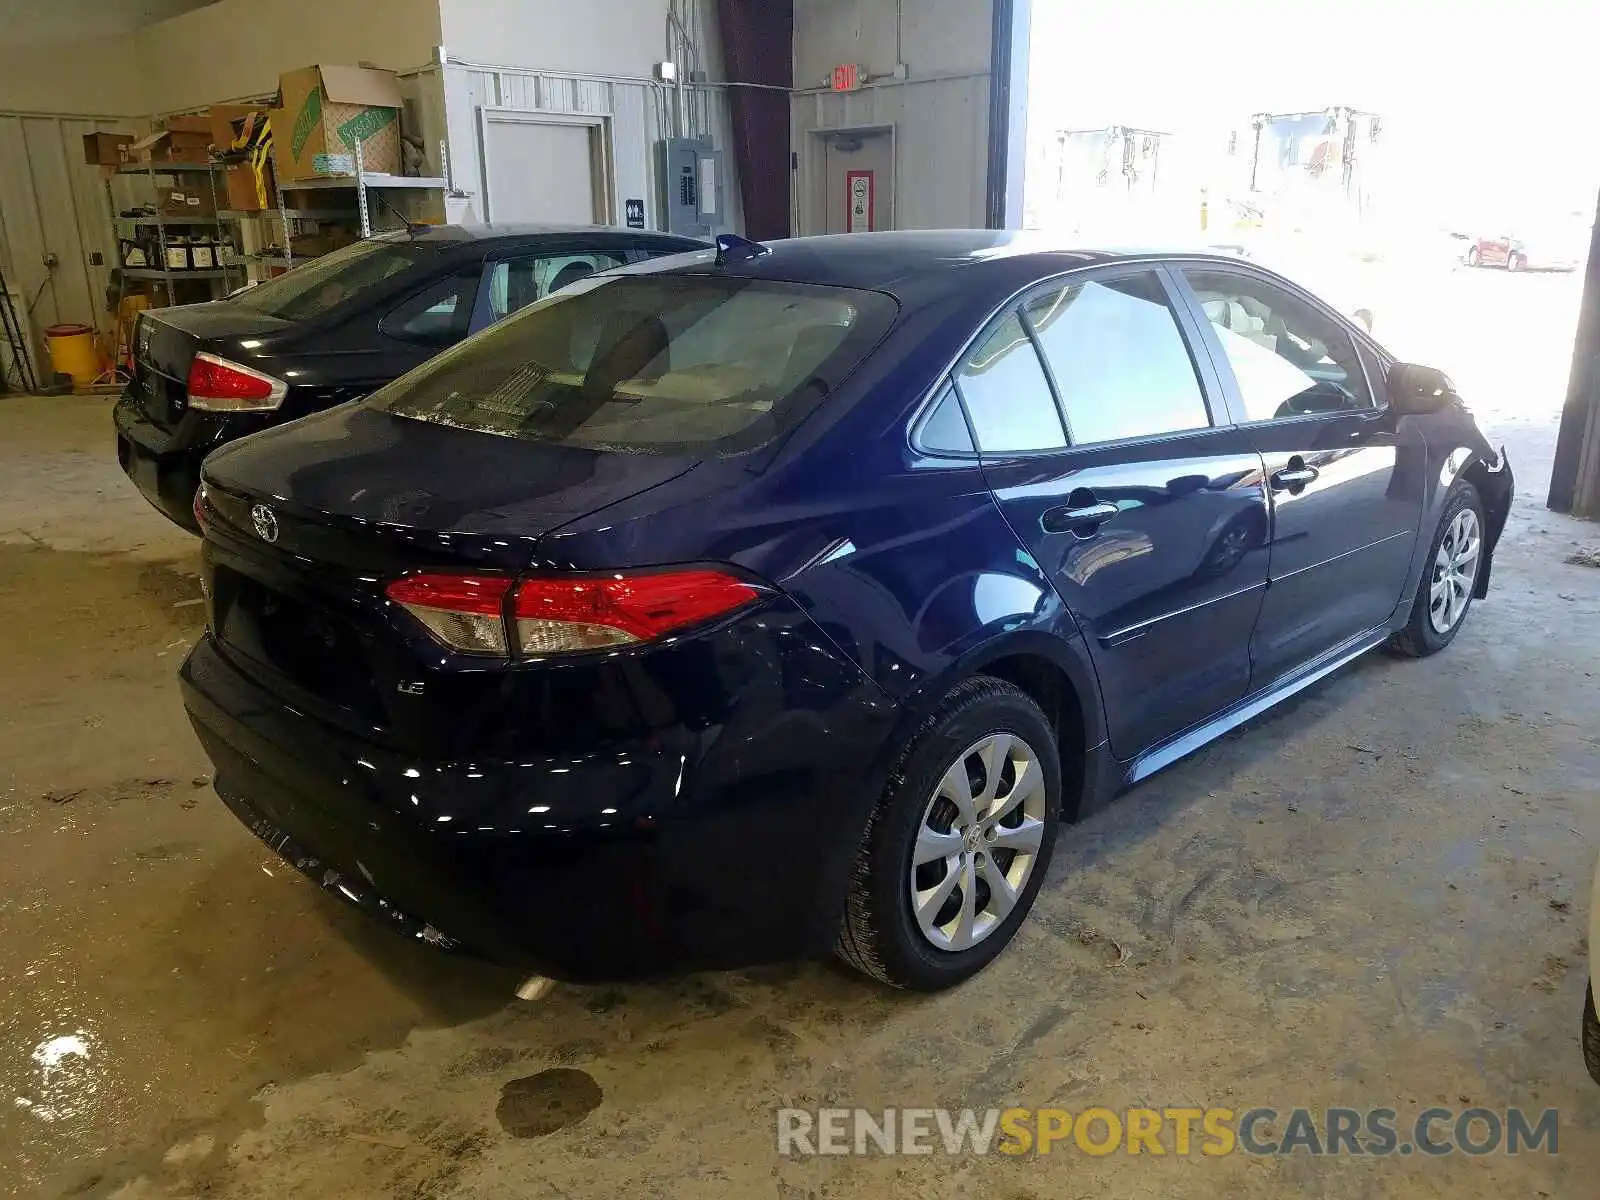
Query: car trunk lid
167, 341
308, 522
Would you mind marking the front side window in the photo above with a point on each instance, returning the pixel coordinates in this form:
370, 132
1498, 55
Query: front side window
516, 283
1289, 358
666, 364
1007, 395
1120, 364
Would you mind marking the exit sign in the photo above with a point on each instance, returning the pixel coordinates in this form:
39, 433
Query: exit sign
849, 77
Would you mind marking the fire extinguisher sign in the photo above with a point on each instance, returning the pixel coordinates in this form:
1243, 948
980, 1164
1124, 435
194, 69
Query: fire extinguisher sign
859, 197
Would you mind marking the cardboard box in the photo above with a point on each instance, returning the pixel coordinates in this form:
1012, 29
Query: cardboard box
240, 180
200, 123
326, 111
187, 201
105, 149
176, 146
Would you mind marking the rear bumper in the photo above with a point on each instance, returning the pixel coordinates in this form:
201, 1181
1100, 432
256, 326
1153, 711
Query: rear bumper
164, 469
694, 848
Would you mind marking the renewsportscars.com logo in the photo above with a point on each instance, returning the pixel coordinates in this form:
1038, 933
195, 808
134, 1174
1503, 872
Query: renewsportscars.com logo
1177, 1131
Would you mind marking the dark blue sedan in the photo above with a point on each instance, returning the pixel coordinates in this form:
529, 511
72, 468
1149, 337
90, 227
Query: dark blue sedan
785, 599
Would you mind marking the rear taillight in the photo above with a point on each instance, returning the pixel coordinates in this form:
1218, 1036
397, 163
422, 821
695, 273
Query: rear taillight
557, 615
469, 613
217, 385
465, 612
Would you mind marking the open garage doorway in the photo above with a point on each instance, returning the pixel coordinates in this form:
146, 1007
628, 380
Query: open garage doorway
1385, 157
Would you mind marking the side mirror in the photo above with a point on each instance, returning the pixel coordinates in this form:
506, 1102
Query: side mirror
1414, 389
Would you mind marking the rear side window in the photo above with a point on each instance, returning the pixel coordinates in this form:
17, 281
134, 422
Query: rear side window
651, 363
1007, 395
437, 316
319, 284
945, 429
1119, 361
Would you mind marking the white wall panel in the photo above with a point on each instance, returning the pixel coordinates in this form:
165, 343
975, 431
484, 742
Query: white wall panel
52, 202
595, 37
638, 113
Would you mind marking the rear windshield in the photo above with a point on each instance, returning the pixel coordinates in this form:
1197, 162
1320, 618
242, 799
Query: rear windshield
316, 285
651, 364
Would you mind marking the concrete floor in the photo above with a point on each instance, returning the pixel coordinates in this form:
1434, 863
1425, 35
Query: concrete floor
1374, 898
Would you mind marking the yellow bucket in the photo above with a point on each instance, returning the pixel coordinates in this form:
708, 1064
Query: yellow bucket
72, 352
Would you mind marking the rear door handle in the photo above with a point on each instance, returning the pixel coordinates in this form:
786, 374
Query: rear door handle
1295, 475
1082, 520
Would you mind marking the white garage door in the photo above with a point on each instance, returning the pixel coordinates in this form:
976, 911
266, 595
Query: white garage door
541, 172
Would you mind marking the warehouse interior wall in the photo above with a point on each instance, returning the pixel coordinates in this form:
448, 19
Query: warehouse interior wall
596, 37
936, 119
513, 61
236, 49
90, 76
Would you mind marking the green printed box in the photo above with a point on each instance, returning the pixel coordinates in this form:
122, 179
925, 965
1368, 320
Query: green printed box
326, 111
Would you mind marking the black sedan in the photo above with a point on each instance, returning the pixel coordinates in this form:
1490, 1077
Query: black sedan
332, 330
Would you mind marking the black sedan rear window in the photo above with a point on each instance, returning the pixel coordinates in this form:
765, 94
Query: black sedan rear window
651, 364
318, 284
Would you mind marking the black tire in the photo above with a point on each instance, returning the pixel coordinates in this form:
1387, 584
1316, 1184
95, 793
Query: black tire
879, 935
1515, 262
1591, 1035
1419, 638
1473, 257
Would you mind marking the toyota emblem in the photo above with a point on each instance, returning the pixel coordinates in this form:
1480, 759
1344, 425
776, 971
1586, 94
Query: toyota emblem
265, 521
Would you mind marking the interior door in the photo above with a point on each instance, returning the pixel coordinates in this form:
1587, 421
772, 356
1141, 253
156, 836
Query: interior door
1346, 491
540, 171
1097, 440
858, 169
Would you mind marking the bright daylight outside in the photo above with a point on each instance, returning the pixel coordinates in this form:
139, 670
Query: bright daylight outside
1425, 167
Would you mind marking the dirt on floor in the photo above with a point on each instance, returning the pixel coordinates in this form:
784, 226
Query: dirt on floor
1375, 897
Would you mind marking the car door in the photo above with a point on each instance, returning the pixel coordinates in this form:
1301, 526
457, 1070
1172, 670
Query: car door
1345, 503
1097, 440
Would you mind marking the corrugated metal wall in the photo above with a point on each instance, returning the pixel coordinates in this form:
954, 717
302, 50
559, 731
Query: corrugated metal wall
938, 124
640, 112
52, 202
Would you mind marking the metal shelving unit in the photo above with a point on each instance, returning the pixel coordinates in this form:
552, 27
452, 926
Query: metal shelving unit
370, 179
331, 195
155, 273
161, 221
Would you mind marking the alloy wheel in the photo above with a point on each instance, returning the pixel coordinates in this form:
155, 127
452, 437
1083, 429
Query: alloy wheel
1455, 570
978, 842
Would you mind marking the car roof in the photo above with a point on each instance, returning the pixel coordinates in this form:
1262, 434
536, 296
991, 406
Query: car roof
521, 229
922, 263
477, 241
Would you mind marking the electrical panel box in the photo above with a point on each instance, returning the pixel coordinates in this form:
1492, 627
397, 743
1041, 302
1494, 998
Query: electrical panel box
692, 169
